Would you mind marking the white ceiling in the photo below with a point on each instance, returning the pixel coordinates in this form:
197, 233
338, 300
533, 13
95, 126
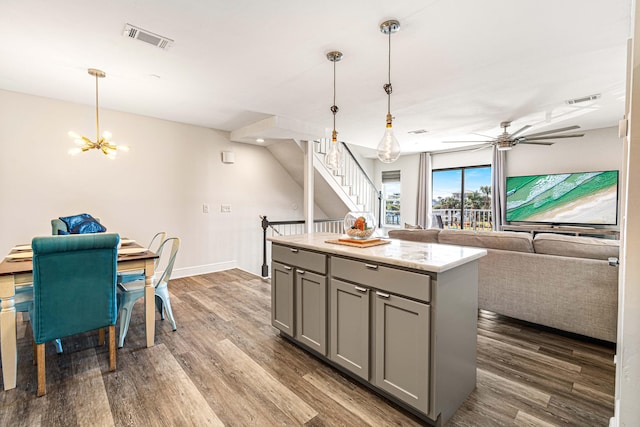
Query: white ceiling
459, 67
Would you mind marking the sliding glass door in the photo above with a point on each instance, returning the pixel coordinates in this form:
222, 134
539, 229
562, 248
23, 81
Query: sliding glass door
462, 197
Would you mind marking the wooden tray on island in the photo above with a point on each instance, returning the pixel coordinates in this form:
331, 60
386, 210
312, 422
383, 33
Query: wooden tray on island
359, 243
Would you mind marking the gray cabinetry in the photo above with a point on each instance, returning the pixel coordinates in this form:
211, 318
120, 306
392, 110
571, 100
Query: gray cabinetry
282, 302
349, 331
299, 295
401, 318
402, 349
311, 310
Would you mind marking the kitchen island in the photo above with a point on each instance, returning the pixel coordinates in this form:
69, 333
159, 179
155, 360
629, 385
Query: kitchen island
399, 317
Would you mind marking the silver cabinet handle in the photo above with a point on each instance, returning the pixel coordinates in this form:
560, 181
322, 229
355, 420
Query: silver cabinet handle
383, 295
300, 271
286, 267
360, 289
294, 250
371, 266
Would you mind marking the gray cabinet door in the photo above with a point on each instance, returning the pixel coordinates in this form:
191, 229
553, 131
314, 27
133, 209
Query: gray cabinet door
349, 320
311, 310
402, 330
282, 301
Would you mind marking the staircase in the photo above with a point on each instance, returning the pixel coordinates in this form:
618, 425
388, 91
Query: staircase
337, 192
351, 183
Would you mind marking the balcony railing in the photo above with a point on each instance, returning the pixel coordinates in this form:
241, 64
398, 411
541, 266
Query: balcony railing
473, 219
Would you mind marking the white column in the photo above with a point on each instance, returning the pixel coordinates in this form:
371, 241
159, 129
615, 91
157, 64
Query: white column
308, 185
627, 410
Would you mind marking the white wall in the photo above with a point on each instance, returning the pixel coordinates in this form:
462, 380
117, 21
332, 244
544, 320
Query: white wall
161, 184
599, 149
408, 166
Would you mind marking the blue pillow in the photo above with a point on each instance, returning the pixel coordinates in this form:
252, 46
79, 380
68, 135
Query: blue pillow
82, 224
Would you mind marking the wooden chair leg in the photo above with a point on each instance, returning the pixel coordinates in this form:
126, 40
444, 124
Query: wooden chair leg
42, 379
101, 337
112, 347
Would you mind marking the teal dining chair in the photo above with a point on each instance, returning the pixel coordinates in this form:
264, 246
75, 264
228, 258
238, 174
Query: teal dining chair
129, 293
74, 291
155, 243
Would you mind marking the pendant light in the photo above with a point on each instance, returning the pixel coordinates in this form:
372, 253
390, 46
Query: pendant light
334, 159
389, 147
102, 143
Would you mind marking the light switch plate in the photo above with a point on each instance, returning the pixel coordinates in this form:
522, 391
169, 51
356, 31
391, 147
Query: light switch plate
225, 208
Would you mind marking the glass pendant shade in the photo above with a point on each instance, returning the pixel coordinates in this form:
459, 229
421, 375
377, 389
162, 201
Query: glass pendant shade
389, 147
334, 159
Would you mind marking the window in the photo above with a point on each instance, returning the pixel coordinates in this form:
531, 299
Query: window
462, 197
391, 198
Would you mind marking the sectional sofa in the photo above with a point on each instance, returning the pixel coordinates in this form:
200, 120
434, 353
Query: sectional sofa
563, 282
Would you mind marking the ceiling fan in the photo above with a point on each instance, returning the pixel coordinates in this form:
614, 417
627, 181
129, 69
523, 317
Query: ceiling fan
506, 140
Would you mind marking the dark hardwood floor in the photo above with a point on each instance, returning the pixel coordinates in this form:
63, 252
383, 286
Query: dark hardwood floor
226, 365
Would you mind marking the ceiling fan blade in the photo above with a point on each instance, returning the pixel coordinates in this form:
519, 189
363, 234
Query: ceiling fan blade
554, 131
537, 138
536, 142
476, 142
484, 136
522, 129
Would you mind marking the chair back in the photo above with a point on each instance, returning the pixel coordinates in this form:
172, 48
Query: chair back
175, 245
156, 242
74, 284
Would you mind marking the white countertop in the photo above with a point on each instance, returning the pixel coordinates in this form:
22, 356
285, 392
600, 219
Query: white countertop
432, 257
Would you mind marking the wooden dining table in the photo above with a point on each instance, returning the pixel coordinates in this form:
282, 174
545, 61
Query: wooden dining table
17, 271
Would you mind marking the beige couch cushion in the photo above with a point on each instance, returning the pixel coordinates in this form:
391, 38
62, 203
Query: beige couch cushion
426, 236
504, 240
576, 246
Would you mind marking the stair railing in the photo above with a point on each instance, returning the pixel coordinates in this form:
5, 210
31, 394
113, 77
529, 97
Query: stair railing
353, 176
288, 228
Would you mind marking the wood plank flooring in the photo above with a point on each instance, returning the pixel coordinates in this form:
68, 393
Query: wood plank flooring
226, 365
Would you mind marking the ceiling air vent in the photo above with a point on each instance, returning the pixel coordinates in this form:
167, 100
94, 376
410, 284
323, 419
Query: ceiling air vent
138, 33
583, 99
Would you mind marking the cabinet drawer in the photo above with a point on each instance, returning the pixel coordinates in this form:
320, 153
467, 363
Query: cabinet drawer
300, 258
407, 283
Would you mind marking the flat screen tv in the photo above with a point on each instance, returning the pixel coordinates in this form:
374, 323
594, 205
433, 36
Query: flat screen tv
582, 198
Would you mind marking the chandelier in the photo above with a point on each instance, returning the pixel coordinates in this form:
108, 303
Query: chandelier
389, 148
102, 141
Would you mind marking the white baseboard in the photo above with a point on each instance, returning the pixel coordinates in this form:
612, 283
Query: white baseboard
200, 269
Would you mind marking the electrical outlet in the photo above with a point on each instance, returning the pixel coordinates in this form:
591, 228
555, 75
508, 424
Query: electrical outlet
225, 208
205, 208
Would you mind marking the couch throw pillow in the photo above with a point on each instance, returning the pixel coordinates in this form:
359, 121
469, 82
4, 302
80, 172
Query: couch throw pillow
82, 224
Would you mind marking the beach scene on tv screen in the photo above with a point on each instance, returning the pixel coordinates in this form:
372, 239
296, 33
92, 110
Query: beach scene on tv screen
571, 198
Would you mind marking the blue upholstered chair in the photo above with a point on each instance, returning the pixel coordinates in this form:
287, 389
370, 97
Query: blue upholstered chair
155, 243
74, 291
129, 293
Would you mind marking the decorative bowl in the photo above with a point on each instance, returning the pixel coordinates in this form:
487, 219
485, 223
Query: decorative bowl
359, 225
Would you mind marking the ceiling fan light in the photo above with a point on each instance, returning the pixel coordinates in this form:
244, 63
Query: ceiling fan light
504, 147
